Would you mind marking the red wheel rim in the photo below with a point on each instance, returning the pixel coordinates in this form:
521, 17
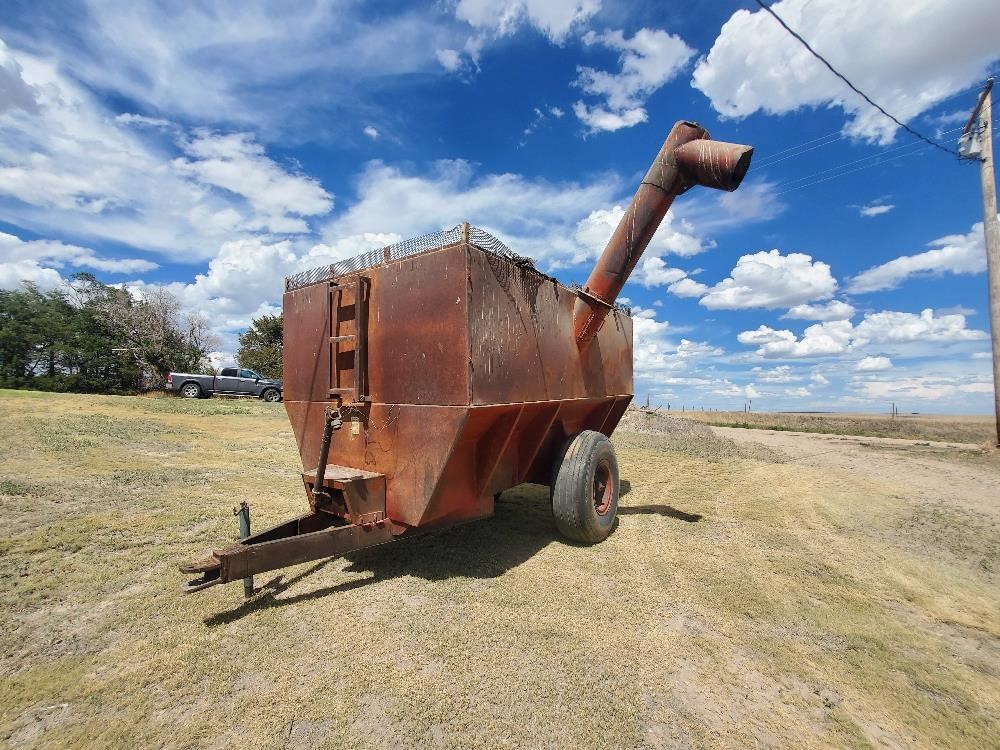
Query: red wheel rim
604, 487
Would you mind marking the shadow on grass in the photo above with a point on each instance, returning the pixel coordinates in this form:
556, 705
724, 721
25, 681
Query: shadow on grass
522, 525
659, 510
669, 511
266, 595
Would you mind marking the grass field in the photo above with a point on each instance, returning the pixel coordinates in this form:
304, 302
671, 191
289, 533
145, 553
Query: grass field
959, 429
746, 599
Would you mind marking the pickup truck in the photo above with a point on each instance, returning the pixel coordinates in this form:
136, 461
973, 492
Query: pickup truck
231, 381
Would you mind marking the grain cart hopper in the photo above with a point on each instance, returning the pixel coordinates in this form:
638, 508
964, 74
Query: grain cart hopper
423, 379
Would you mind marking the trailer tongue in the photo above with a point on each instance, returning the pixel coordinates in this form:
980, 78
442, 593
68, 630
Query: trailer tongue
443, 370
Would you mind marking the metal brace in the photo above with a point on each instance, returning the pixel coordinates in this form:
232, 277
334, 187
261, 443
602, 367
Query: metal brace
334, 421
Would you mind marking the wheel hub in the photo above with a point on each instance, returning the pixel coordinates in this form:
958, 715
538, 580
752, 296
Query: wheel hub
603, 487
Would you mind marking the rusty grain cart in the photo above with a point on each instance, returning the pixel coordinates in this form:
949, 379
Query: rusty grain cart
423, 379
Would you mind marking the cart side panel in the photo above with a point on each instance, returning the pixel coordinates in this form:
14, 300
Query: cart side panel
522, 342
418, 349
410, 444
306, 349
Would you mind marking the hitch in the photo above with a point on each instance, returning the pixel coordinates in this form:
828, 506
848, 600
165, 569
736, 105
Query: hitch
209, 567
314, 536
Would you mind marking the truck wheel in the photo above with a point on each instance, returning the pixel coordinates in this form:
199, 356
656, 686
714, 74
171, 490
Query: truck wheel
585, 488
271, 396
191, 390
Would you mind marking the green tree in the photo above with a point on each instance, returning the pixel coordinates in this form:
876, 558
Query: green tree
260, 346
153, 335
93, 338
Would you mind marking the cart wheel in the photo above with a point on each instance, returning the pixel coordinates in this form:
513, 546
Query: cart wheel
585, 488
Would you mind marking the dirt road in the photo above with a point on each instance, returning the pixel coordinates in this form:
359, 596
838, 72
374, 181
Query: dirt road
926, 471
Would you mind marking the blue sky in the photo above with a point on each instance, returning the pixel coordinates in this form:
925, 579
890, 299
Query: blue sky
213, 148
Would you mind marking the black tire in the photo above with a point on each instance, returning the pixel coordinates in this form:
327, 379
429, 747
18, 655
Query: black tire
191, 390
585, 488
271, 395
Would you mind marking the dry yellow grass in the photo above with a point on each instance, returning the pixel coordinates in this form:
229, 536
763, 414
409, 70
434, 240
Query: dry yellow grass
744, 600
940, 427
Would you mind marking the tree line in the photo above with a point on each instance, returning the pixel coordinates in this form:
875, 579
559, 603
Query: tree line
89, 337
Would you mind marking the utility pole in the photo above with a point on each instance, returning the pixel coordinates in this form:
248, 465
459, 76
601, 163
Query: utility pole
980, 139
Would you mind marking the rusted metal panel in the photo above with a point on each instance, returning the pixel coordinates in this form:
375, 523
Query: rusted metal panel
493, 462
305, 355
418, 351
531, 386
409, 444
615, 414
522, 344
525, 438
574, 415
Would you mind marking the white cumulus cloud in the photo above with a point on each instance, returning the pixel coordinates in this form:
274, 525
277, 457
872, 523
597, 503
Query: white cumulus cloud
650, 347
697, 349
649, 59
236, 163
553, 18
832, 310
894, 327
687, 287
873, 364
780, 374
955, 253
53, 254
551, 222
15, 92
13, 273
768, 279
882, 47
73, 169
835, 337
450, 59
654, 271
821, 339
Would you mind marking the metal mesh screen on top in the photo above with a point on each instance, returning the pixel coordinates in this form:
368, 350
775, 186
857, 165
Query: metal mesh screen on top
479, 237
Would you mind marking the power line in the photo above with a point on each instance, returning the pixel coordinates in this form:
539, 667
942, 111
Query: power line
876, 156
853, 88
836, 135
868, 161
802, 150
920, 149
766, 159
